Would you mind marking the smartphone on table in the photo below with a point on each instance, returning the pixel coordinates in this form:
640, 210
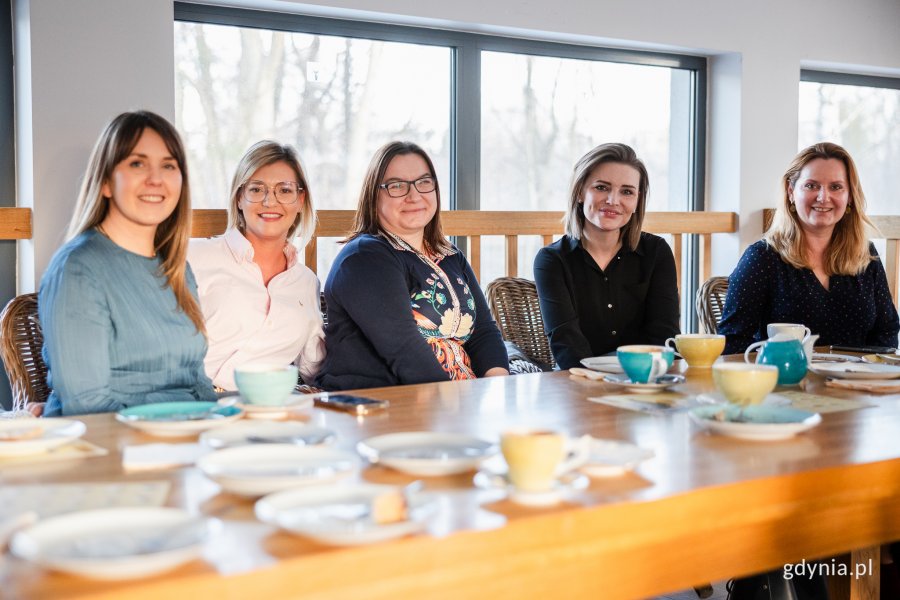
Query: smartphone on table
356, 405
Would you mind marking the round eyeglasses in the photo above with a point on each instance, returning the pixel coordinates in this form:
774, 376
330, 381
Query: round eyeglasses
399, 188
286, 192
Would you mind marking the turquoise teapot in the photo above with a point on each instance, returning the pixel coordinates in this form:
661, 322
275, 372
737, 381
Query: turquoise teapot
783, 351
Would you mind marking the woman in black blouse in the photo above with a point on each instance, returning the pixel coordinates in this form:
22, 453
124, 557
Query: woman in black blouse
606, 283
815, 265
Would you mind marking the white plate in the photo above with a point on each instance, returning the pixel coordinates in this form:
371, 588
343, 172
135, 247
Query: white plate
292, 403
568, 482
764, 423
178, 419
663, 383
266, 468
54, 432
341, 515
427, 453
113, 543
819, 357
856, 370
607, 364
243, 433
611, 458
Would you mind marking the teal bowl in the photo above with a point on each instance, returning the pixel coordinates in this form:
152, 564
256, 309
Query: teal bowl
266, 385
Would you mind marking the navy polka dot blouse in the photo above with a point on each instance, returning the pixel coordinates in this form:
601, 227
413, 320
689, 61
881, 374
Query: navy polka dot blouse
857, 310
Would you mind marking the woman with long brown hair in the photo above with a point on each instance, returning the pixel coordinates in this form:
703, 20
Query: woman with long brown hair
815, 264
117, 303
403, 303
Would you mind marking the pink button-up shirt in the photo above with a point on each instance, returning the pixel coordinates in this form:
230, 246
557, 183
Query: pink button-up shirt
249, 322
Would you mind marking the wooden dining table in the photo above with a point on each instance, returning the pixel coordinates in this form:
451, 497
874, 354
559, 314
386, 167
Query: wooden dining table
704, 508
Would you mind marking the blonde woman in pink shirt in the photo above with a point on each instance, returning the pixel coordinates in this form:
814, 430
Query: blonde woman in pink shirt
260, 304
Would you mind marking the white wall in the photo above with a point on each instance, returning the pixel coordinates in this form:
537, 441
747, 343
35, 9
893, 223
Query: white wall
91, 59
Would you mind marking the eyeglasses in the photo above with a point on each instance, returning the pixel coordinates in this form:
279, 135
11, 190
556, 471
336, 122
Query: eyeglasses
398, 189
286, 192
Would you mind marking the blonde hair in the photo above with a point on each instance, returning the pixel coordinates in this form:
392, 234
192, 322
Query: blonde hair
170, 242
573, 220
366, 219
262, 154
848, 251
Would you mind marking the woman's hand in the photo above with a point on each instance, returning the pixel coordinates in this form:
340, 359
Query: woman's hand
496, 372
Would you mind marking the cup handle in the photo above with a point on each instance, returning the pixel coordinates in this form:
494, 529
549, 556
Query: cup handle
659, 368
674, 350
578, 451
750, 349
807, 333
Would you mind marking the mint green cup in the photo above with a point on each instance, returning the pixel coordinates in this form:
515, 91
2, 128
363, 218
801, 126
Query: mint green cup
266, 385
644, 364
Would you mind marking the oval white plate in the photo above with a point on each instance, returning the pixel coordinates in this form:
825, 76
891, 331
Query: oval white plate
856, 370
427, 453
265, 468
244, 433
292, 403
607, 364
565, 483
341, 515
175, 419
113, 543
611, 458
764, 422
54, 432
663, 383
820, 357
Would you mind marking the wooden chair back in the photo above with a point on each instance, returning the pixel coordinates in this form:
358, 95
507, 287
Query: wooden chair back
711, 303
514, 304
21, 341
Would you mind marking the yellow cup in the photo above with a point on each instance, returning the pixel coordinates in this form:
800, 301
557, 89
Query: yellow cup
700, 350
535, 457
743, 383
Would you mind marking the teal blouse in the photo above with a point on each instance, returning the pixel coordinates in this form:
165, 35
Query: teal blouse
114, 336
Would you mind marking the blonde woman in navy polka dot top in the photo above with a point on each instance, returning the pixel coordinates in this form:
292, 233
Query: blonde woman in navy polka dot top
815, 265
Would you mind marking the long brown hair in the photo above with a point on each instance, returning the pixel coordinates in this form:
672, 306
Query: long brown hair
573, 220
366, 219
848, 251
262, 154
170, 242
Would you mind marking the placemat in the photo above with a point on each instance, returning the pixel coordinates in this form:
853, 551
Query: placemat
58, 498
821, 404
663, 402
74, 449
877, 386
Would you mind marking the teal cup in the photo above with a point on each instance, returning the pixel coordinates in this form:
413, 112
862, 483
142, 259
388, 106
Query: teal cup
266, 385
644, 364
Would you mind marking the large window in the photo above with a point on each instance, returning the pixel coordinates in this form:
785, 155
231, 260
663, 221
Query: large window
862, 114
504, 119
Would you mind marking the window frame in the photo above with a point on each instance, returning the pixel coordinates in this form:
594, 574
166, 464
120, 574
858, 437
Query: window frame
465, 101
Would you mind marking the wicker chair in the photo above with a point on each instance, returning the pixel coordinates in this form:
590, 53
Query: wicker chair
21, 341
514, 304
711, 303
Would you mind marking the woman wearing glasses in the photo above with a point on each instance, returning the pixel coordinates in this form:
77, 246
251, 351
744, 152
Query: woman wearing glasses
118, 303
260, 304
403, 304
606, 283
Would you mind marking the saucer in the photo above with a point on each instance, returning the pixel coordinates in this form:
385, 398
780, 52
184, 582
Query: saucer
856, 370
341, 515
563, 484
611, 458
178, 419
270, 411
762, 423
663, 382
427, 453
113, 543
31, 436
607, 364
